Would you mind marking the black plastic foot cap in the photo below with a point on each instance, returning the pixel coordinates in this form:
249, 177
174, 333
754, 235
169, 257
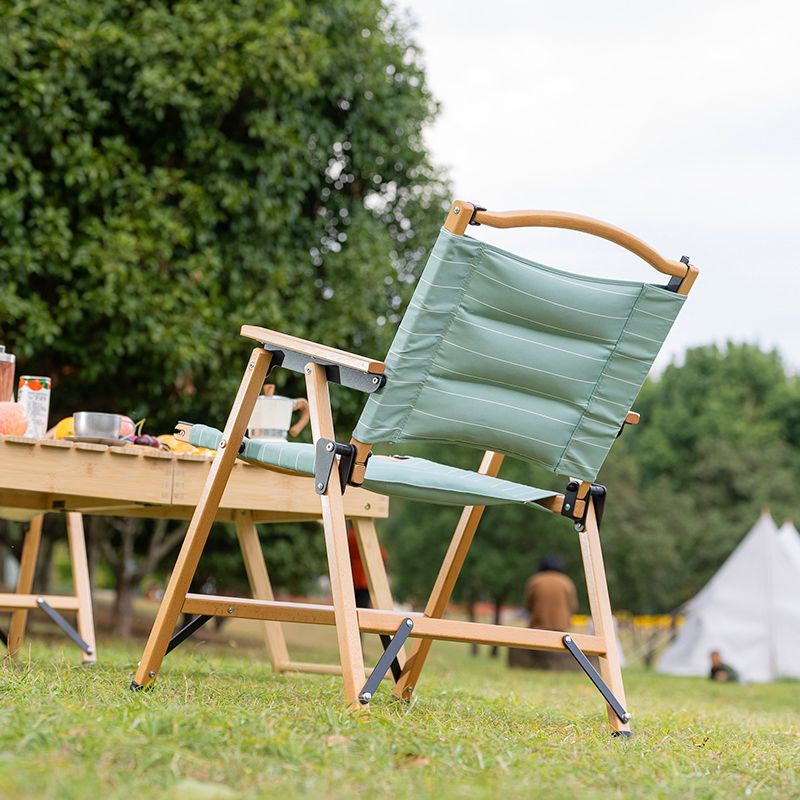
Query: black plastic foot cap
136, 687
623, 734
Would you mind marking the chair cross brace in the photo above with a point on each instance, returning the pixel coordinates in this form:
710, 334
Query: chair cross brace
64, 625
387, 660
594, 677
324, 459
186, 631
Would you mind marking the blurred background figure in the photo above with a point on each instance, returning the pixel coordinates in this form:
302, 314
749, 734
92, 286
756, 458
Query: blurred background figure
551, 600
360, 584
720, 671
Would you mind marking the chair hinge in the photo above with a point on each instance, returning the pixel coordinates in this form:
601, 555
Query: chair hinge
577, 497
325, 457
475, 210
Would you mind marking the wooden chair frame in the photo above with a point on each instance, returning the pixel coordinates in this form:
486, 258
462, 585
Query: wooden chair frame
348, 620
22, 601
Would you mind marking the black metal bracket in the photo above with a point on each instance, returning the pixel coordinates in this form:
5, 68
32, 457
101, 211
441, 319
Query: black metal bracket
64, 625
324, 459
345, 376
475, 210
597, 494
186, 631
594, 677
675, 282
386, 661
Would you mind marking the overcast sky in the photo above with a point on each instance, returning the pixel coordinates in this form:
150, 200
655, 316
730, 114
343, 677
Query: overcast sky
678, 121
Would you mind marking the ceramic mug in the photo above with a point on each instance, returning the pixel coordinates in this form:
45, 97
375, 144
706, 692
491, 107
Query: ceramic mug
272, 416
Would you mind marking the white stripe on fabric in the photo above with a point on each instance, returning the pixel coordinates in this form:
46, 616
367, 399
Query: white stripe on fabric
412, 358
525, 389
411, 304
651, 314
403, 436
659, 342
485, 427
591, 444
520, 366
545, 300
575, 463
541, 270
439, 285
613, 402
504, 405
632, 358
448, 261
621, 380
527, 341
540, 324
415, 333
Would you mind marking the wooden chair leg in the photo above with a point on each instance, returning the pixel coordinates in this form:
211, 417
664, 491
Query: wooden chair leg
80, 578
203, 518
446, 580
378, 581
335, 525
602, 618
261, 588
27, 570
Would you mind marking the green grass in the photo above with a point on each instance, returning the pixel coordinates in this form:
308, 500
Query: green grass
221, 725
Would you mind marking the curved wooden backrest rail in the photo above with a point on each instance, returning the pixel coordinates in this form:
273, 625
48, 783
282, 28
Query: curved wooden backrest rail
461, 213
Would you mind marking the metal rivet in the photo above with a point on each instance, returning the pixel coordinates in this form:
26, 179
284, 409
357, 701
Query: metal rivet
375, 380
320, 486
626, 716
223, 444
567, 507
231, 609
567, 638
409, 623
308, 370
152, 674
329, 446
251, 365
456, 210
367, 506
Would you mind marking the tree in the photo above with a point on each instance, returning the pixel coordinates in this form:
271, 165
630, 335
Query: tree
170, 171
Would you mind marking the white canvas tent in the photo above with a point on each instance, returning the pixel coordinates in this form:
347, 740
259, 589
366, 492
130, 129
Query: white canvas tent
749, 611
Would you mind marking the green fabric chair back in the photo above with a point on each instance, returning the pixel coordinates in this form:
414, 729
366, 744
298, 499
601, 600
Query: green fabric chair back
501, 353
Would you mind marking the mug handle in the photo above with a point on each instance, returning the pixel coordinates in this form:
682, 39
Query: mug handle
301, 405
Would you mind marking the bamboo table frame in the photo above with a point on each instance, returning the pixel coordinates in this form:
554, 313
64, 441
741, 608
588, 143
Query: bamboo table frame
44, 476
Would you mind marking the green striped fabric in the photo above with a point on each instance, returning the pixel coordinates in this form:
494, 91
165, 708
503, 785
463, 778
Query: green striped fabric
413, 478
501, 353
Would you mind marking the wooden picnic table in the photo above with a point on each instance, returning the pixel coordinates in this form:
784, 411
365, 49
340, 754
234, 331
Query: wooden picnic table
75, 478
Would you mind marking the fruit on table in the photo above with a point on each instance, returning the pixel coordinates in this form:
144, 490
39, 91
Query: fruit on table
64, 428
13, 420
146, 440
182, 446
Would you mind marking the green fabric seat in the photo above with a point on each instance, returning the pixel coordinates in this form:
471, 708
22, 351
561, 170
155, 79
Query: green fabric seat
413, 478
501, 353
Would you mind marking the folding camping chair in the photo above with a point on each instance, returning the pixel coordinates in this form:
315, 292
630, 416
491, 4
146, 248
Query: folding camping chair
494, 352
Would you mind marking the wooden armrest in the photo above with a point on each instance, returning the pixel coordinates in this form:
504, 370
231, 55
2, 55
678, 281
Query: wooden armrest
632, 418
313, 350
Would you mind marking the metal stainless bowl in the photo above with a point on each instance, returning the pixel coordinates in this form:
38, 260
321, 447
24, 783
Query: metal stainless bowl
95, 424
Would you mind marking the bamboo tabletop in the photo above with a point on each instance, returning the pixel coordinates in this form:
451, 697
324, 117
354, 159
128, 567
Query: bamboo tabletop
39, 475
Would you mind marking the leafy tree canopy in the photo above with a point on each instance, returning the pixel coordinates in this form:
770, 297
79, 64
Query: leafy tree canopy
172, 170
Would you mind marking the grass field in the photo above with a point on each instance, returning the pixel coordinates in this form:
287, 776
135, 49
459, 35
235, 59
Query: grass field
221, 725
